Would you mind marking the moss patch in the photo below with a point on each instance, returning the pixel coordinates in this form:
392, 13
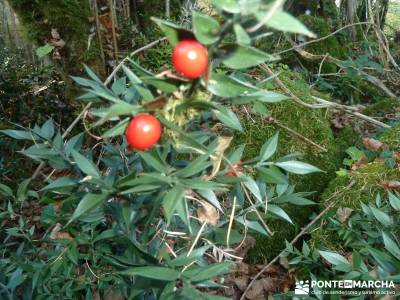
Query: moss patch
391, 137
311, 123
366, 185
70, 18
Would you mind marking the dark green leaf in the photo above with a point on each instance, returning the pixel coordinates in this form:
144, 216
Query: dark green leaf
269, 148
171, 200
18, 134
88, 203
283, 21
242, 37
153, 272
173, 32
224, 86
242, 57
228, 117
85, 165
231, 6
118, 129
205, 28
297, 167
60, 183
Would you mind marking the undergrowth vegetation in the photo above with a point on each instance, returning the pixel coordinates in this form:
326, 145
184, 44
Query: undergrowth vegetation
198, 149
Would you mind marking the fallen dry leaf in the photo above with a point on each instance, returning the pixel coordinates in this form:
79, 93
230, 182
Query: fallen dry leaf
343, 213
270, 284
207, 213
56, 234
241, 282
372, 144
362, 161
391, 185
256, 292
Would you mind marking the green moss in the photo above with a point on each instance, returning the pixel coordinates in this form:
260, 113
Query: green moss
330, 45
310, 123
70, 18
365, 185
321, 28
391, 137
383, 107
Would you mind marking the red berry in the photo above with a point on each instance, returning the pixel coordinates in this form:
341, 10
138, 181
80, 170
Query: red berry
190, 59
143, 132
236, 167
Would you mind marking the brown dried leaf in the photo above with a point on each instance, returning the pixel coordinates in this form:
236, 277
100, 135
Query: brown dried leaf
362, 161
207, 213
56, 234
372, 144
270, 284
241, 282
343, 213
256, 292
391, 185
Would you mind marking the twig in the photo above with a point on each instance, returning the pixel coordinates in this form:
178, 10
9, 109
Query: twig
372, 79
295, 239
277, 123
324, 103
197, 238
87, 107
322, 38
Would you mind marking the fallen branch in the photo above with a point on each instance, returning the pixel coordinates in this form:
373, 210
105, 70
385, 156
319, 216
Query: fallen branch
322, 103
322, 38
295, 133
106, 82
295, 239
372, 79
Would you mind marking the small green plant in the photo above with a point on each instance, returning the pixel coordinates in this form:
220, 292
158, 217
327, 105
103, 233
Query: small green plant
156, 220
367, 237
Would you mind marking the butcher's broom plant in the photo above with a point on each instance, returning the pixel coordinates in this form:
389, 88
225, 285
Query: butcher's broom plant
151, 201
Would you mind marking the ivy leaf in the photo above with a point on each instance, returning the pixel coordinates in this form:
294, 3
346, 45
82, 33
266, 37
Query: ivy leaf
85, 165
206, 28
242, 57
297, 167
88, 203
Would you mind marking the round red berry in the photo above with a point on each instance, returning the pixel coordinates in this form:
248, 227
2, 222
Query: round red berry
143, 132
190, 59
